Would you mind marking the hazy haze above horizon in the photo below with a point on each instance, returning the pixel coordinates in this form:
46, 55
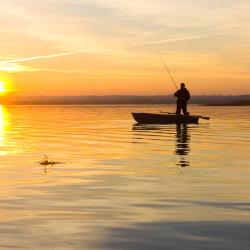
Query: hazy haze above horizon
106, 47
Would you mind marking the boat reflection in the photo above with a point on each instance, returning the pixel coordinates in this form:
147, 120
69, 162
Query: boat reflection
167, 133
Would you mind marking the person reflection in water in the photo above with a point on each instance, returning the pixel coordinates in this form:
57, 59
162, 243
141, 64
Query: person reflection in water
182, 96
182, 144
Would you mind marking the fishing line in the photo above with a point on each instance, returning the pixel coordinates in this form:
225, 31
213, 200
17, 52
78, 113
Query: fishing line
167, 69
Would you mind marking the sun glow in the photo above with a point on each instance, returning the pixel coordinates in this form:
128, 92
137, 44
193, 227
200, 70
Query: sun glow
3, 88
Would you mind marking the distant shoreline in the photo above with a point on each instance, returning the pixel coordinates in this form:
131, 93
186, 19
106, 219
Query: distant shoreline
236, 103
209, 100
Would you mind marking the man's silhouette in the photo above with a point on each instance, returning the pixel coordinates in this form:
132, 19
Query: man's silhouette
183, 96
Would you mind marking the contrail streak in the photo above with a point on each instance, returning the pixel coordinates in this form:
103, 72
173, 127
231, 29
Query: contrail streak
26, 59
175, 39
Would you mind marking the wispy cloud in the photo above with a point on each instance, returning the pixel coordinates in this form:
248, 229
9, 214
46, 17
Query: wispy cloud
14, 67
176, 39
14, 64
26, 59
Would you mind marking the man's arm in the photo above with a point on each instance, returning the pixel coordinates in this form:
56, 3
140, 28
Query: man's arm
176, 94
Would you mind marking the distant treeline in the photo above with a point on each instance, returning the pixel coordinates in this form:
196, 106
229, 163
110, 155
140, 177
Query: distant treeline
125, 99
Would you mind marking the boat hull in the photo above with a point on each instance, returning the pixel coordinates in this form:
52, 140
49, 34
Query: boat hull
151, 118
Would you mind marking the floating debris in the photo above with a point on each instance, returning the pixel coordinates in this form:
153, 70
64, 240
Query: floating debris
47, 161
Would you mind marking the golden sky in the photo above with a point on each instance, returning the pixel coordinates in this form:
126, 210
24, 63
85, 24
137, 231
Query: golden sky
100, 47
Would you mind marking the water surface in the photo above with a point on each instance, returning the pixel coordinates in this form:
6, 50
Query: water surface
122, 185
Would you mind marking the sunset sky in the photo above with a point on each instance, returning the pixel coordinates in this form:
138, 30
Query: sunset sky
101, 47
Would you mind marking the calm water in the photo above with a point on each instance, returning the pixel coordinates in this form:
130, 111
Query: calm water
120, 185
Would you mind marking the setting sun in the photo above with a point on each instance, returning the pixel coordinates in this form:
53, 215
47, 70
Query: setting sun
4, 88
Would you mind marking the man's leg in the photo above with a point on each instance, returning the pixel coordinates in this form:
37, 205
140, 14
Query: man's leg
184, 108
178, 110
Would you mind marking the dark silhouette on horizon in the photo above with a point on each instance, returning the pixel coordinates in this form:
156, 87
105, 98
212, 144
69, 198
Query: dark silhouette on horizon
124, 100
182, 96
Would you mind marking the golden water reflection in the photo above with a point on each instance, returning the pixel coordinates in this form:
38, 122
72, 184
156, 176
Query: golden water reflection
117, 178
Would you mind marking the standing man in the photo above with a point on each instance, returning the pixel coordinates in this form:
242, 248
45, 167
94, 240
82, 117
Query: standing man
183, 96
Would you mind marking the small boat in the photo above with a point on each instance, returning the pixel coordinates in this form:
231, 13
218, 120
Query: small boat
166, 118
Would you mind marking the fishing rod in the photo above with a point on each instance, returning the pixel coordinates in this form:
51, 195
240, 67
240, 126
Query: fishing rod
167, 69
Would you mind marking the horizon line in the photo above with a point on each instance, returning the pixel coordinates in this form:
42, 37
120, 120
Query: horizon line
123, 95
